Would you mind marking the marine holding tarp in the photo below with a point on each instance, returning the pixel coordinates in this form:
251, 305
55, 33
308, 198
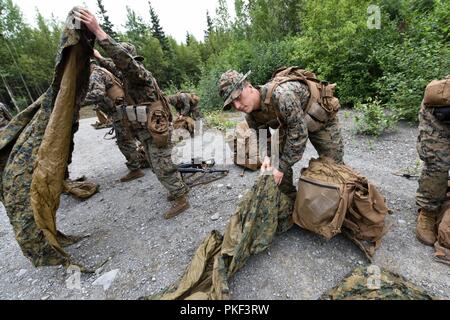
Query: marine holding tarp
147, 110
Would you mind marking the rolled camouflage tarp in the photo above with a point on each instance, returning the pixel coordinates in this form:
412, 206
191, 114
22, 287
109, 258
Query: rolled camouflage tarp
264, 212
37, 146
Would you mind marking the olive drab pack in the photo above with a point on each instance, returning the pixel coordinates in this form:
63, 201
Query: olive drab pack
334, 199
437, 93
322, 104
185, 123
244, 145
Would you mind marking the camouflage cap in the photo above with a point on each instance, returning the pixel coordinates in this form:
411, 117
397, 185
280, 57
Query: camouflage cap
131, 49
231, 84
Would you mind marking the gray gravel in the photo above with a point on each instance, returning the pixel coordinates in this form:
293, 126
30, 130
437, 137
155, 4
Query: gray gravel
126, 226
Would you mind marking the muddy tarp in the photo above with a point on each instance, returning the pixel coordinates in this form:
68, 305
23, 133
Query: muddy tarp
37, 146
374, 283
263, 213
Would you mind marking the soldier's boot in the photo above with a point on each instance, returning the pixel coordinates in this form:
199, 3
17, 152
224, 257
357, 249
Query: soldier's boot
132, 175
426, 228
181, 204
170, 198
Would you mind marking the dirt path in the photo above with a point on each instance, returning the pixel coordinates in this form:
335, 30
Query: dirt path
125, 224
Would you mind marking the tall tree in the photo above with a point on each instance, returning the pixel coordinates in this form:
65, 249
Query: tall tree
157, 30
105, 23
209, 25
136, 29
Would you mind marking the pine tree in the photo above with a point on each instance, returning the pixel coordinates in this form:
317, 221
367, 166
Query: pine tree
209, 25
157, 30
106, 24
188, 38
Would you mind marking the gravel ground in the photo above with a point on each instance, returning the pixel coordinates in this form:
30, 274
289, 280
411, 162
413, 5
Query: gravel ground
126, 226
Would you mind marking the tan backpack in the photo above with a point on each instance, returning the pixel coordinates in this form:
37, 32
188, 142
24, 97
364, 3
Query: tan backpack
322, 104
437, 93
334, 198
186, 123
245, 154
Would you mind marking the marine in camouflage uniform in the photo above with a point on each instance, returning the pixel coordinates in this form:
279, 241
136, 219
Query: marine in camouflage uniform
100, 82
434, 150
290, 99
185, 106
141, 87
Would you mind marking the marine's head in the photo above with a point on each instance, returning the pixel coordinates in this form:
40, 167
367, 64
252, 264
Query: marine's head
237, 92
131, 49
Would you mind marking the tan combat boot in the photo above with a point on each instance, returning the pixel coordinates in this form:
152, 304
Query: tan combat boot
132, 175
181, 204
426, 228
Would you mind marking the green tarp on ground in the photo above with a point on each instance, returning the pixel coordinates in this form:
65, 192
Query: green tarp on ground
35, 149
264, 212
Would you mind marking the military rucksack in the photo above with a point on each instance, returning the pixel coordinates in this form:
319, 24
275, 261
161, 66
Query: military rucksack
334, 199
244, 145
322, 104
437, 93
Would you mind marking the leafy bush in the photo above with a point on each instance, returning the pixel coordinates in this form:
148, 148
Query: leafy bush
414, 59
371, 118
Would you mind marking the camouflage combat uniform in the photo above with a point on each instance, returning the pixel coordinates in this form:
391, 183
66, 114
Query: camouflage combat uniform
99, 84
184, 106
434, 149
141, 87
291, 99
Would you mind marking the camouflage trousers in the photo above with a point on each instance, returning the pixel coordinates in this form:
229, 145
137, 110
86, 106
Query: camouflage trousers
434, 150
127, 145
162, 165
328, 143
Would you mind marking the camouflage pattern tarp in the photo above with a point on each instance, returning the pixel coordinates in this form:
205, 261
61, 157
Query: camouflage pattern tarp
264, 212
373, 283
37, 146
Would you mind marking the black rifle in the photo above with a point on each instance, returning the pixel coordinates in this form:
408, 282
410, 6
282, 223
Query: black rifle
204, 167
201, 170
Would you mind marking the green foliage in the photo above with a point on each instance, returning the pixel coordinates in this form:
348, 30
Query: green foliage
371, 118
217, 120
418, 56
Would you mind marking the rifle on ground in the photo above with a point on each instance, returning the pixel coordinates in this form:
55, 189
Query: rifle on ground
203, 167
